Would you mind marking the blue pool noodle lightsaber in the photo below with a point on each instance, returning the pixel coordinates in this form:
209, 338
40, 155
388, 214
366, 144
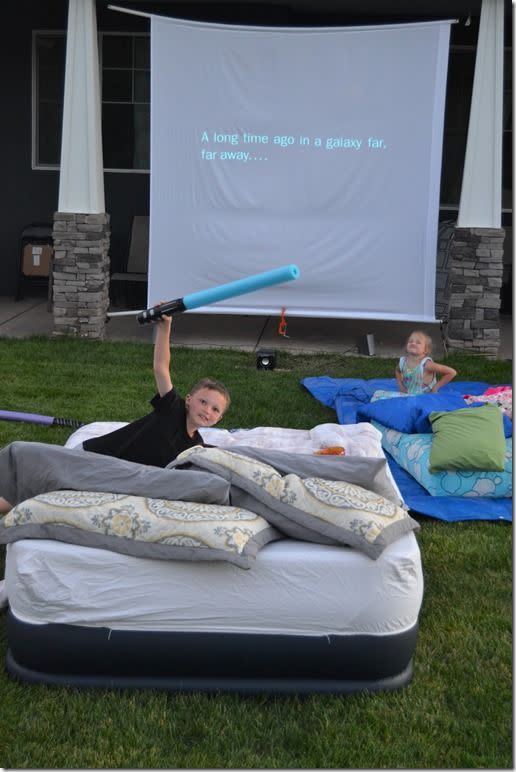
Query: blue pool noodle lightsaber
222, 292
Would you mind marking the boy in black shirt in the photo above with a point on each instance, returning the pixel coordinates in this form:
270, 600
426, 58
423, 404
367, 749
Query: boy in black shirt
172, 427
157, 438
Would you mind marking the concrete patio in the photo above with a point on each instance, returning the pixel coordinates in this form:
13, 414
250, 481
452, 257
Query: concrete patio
31, 316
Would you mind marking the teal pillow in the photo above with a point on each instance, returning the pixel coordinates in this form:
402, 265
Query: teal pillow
469, 438
412, 453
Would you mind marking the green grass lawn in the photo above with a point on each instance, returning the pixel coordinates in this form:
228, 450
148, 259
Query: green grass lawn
456, 713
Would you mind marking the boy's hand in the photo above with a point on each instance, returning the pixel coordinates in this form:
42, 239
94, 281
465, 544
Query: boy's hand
163, 317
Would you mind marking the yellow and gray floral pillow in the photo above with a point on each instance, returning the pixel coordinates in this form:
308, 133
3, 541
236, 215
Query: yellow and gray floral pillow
140, 526
307, 508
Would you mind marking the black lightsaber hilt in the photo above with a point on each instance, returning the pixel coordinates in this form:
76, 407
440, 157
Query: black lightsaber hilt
155, 313
71, 422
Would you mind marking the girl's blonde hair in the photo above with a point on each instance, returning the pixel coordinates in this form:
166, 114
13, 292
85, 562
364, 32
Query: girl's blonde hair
426, 337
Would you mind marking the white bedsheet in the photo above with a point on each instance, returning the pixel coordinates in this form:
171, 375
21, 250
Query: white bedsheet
361, 439
357, 439
295, 588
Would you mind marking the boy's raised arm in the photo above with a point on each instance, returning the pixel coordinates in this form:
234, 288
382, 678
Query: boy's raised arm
162, 355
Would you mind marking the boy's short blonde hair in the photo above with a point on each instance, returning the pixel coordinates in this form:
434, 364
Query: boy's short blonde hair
211, 383
427, 339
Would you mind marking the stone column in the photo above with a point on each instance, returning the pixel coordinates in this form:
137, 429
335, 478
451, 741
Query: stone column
475, 285
81, 274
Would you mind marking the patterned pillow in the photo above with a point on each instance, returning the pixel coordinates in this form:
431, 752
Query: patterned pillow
307, 508
412, 453
142, 527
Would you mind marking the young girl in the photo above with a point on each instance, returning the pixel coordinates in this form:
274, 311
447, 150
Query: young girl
416, 372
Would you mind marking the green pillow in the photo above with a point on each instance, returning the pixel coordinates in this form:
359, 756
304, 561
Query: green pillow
469, 438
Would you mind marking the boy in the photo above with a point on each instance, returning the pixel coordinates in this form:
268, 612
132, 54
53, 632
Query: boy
173, 426
154, 440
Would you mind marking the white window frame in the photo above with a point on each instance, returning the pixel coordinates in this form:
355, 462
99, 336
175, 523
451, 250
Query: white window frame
103, 34
34, 97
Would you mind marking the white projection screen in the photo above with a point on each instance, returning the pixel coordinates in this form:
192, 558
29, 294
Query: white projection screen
319, 147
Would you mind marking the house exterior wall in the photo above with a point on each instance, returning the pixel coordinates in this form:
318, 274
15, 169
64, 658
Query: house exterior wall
31, 195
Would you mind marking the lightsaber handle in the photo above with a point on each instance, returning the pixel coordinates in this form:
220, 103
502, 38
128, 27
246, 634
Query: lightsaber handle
222, 292
155, 313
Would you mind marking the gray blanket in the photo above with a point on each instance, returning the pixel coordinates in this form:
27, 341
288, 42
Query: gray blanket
30, 468
323, 499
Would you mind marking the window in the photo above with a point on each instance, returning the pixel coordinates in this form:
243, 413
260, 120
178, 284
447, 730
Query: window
125, 89
461, 69
126, 101
47, 95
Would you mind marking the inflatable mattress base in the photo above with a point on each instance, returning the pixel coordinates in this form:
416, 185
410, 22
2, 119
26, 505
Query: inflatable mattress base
97, 657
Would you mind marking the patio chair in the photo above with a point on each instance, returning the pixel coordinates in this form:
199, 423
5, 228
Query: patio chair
136, 272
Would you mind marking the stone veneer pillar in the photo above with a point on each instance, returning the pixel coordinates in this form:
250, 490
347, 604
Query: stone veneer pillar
475, 284
81, 274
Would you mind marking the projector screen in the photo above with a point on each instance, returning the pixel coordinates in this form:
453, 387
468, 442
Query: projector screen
319, 147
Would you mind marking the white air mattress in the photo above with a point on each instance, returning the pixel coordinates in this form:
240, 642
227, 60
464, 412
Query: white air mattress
294, 588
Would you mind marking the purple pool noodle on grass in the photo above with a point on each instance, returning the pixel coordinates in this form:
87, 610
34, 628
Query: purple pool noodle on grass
35, 418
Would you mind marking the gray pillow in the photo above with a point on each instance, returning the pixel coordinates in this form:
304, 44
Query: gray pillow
307, 508
140, 526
